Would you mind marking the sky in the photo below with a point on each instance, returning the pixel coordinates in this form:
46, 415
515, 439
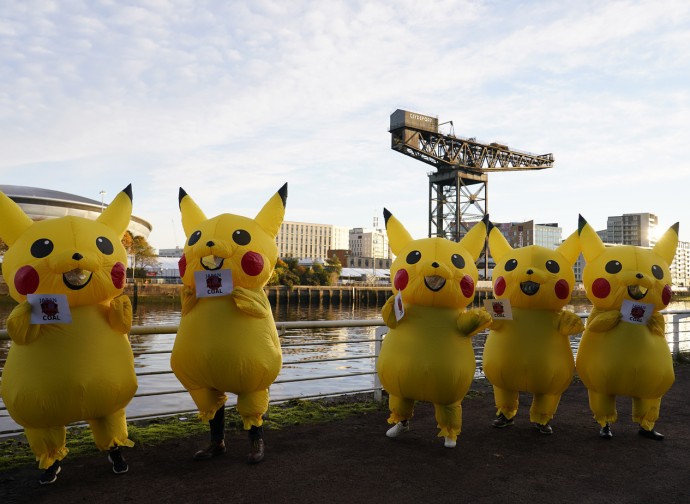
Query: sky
229, 100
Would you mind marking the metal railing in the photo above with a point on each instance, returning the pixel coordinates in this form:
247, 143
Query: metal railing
678, 342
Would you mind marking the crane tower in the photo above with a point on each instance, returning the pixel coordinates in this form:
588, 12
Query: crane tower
458, 195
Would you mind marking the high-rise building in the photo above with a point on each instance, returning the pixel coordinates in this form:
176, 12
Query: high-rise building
522, 234
369, 243
680, 267
303, 240
631, 229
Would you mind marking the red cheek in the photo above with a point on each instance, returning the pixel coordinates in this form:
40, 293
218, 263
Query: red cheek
26, 280
182, 265
562, 289
117, 275
252, 263
666, 295
401, 279
467, 286
500, 286
601, 288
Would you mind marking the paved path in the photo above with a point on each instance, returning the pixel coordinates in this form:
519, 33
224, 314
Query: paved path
353, 461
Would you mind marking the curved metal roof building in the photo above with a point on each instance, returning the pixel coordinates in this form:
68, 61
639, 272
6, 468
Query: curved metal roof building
47, 204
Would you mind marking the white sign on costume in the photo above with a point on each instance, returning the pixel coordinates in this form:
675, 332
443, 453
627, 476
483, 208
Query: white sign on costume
213, 283
49, 309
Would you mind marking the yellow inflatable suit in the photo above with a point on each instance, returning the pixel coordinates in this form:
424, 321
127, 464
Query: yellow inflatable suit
228, 343
531, 353
427, 355
60, 373
618, 355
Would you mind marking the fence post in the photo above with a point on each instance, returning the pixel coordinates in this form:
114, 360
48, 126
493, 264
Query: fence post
378, 391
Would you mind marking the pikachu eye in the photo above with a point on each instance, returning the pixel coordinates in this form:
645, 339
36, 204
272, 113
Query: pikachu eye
613, 267
104, 245
413, 257
241, 237
552, 266
196, 236
41, 248
511, 264
657, 272
458, 261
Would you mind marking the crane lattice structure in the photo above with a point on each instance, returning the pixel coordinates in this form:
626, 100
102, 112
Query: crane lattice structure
458, 196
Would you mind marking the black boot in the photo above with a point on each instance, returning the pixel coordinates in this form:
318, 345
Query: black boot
650, 434
217, 445
256, 445
605, 432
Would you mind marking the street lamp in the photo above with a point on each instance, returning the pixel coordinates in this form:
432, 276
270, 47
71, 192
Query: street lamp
102, 193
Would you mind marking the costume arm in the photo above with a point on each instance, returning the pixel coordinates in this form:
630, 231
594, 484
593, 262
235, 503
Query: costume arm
603, 320
569, 323
120, 314
252, 302
388, 313
19, 325
188, 298
473, 321
657, 325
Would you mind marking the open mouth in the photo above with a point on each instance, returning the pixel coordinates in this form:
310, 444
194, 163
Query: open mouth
637, 292
77, 278
211, 262
529, 288
434, 282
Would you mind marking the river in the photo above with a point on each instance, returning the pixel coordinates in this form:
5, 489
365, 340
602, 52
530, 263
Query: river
342, 343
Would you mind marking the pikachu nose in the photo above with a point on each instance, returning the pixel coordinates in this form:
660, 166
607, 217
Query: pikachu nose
639, 275
530, 272
434, 264
77, 256
210, 243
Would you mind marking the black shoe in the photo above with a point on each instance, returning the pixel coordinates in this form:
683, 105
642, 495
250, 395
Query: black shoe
605, 432
650, 434
50, 475
543, 428
212, 450
501, 421
119, 463
256, 451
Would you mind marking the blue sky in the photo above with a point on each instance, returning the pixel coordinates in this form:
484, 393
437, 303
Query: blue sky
229, 100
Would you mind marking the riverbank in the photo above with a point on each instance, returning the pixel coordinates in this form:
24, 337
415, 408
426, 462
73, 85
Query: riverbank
351, 460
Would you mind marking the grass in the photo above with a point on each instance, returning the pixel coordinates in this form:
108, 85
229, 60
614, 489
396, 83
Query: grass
15, 452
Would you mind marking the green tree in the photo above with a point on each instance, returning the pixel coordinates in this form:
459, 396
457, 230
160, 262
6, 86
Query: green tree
334, 269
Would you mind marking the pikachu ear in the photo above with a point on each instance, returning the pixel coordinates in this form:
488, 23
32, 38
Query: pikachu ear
192, 215
667, 244
570, 248
475, 239
270, 217
498, 245
398, 236
118, 214
13, 220
590, 243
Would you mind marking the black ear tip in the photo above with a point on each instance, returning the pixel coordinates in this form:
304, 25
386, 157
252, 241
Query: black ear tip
128, 191
283, 192
581, 223
386, 215
181, 195
676, 226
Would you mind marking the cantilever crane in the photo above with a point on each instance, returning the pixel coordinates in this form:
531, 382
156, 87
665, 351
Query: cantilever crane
458, 188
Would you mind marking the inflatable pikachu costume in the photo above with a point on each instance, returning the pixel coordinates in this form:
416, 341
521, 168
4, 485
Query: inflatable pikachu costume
228, 343
427, 355
60, 373
531, 353
618, 355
